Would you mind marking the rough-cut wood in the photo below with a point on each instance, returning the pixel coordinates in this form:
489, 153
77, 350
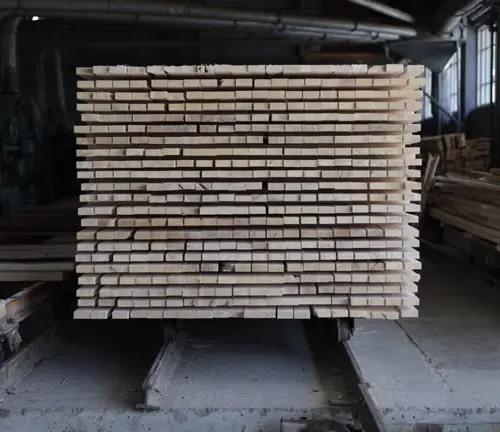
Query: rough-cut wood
470, 202
28, 253
458, 153
266, 191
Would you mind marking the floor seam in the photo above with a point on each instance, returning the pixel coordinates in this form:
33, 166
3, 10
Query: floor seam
426, 358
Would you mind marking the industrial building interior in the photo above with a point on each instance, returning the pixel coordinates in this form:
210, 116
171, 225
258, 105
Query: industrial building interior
440, 371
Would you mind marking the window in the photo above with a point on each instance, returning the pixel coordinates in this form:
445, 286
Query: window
427, 104
450, 84
485, 68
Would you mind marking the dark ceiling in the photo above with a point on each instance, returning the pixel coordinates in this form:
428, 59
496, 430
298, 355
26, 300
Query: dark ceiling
428, 14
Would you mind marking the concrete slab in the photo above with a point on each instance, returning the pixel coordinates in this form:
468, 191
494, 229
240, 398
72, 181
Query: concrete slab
252, 367
443, 368
243, 376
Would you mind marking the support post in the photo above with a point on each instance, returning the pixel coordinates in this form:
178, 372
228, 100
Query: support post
60, 89
469, 74
156, 382
495, 142
40, 83
10, 74
459, 87
436, 94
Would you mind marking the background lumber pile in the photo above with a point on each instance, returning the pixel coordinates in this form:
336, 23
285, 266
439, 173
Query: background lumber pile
39, 244
458, 154
477, 154
470, 202
248, 191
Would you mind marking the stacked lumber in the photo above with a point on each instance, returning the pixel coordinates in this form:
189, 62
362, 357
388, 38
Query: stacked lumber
453, 145
476, 154
470, 202
248, 191
39, 244
458, 154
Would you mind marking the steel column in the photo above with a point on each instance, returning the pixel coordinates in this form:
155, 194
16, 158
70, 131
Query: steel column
469, 74
10, 73
436, 94
495, 142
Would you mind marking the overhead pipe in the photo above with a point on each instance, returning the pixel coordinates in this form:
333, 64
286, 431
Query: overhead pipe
438, 105
10, 73
385, 9
292, 32
479, 12
451, 22
146, 10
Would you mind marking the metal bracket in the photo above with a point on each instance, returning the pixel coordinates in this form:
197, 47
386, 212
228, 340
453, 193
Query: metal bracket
345, 329
10, 336
163, 367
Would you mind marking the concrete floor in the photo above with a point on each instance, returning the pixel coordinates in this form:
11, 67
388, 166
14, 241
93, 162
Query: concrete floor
244, 376
442, 369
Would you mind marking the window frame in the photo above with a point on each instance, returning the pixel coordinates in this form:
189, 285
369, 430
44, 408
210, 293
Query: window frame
427, 103
486, 70
450, 82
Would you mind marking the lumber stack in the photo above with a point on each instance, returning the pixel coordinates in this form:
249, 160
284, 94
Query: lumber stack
39, 244
453, 145
469, 201
248, 191
477, 154
457, 153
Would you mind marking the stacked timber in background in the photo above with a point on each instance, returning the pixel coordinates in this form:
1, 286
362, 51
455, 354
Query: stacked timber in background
248, 191
462, 195
470, 202
39, 244
37, 264
458, 154
477, 154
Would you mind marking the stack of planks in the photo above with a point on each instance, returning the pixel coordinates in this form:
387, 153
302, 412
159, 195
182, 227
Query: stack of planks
470, 202
248, 191
458, 154
477, 154
39, 244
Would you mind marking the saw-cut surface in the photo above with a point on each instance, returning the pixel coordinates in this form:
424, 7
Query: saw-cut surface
248, 191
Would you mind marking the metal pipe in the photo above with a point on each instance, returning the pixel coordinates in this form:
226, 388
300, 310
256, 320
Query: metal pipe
436, 103
459, 84
41, 87
60, 91
292, 32
146, 9
454, 20
385, 10
492, 60
10, 73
